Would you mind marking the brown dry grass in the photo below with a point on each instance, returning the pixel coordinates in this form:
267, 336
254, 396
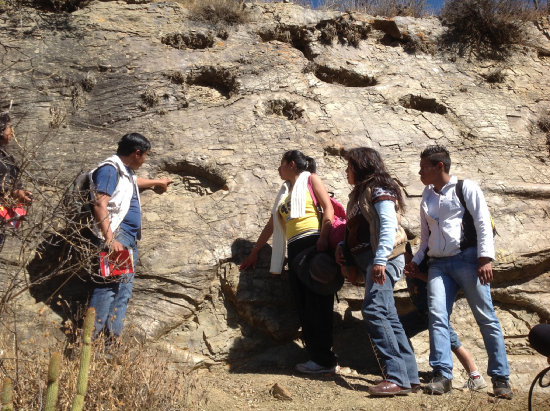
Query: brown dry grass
386, 8
485, 28
217, 12
129, 376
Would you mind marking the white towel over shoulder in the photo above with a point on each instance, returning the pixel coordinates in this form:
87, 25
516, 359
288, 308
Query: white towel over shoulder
297, 210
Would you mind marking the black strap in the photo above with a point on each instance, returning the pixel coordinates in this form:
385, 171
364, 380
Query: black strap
469, 238
460, 193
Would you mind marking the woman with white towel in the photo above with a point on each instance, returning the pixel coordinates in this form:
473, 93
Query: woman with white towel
295, 222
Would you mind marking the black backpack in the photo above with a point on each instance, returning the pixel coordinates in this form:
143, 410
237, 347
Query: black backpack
469, 238
79, 204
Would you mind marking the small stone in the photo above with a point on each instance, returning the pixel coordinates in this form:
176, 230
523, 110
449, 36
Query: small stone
280, 392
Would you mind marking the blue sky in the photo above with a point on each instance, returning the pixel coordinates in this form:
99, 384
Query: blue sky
434, 5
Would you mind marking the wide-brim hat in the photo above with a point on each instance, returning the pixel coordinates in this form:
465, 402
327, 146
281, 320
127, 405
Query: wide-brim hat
318, 271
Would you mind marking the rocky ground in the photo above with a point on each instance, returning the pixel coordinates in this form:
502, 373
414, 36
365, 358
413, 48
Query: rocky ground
221, 388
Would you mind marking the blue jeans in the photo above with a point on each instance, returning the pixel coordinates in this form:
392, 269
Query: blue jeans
417, 320
446, 276
386, 332
110, 299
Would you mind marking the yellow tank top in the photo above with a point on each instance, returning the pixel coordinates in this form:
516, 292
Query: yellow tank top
303, 226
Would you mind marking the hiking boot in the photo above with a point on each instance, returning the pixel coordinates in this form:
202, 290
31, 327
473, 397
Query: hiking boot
475, 383
438, 385
311, 367
501, 388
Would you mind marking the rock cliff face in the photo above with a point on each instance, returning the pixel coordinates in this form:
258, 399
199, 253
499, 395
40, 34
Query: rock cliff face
222, 105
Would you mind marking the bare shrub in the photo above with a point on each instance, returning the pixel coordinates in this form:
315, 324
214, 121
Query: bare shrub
150, 97
300, 37
126, 376
484, 28
282, 107
387, 8
53, 5
328, 34
345, 28
219, 12
496, 76
58, 116
190, 40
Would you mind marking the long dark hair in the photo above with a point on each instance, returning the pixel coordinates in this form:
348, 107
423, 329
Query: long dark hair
303, 162
369, 171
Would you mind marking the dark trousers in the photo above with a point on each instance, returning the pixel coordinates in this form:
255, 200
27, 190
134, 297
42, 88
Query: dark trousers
314, 311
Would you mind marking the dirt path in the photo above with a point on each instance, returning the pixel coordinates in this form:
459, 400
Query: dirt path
223, 389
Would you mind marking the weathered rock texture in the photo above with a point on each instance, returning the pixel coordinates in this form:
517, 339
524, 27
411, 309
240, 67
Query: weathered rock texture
221, 112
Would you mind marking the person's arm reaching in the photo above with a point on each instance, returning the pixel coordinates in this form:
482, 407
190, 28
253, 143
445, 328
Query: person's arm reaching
252, 258
144, 183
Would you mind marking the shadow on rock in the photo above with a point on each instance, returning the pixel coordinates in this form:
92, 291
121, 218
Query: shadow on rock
269, 321
264, 308
59, 274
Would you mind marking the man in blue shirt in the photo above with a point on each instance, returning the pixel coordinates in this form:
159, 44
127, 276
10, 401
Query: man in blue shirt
117, 214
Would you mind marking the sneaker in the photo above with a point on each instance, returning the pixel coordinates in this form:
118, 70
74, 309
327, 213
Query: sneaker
311, 367
501, 388
438, 385
475, 383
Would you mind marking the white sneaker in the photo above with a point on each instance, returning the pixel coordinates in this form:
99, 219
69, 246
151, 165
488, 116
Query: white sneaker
475, 384
311, 367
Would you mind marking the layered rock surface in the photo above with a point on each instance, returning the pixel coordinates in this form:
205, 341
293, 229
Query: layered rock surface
222, 106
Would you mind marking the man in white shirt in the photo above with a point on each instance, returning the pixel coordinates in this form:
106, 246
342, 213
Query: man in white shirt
459, 244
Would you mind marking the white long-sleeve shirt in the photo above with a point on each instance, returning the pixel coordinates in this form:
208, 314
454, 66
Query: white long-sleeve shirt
441, 217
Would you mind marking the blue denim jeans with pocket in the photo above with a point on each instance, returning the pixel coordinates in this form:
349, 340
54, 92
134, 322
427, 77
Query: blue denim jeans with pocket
446, 276
391, 345
110, 299
416, 321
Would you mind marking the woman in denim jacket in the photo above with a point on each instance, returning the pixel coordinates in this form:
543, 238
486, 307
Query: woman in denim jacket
375, 241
